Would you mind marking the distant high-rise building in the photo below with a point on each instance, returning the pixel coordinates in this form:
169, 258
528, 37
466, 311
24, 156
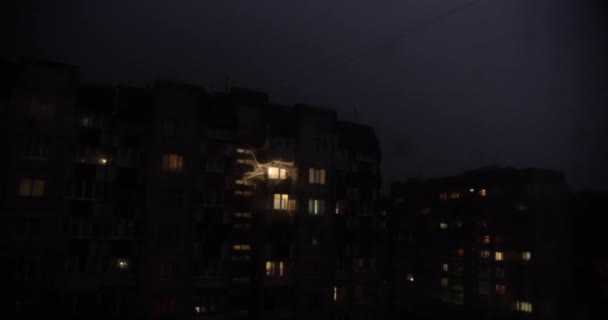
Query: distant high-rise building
492, 243
174, 203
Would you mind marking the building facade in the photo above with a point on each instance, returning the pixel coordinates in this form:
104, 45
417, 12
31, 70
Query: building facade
171, 202
493, 243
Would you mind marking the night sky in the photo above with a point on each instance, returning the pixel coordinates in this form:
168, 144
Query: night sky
449, 85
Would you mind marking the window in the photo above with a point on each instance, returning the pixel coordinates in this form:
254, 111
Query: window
523, 306
444, 282
277, 173
316, 207
426, 211
486, 239
484, 254
498, 256
340, 207
164, 306
526, 256
36, 148
213, 198
122, 264
445, 267
241, 247
443, 196
31, 188
500, 273
214, 165
242, 214
339, 294
275, 269
166, 271
316, 176
409, 277
483, 192
280, 201
501, 289
173, 162
42, 111
359, 292
460, 252
454, 195
360, 263
443, 225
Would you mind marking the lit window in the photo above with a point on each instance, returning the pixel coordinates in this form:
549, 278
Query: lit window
122, 264
316, 176
484, 254
483, 192
443, 225
409, 277
501, 289
280, 201
275, 269
277, 173
339, 294
498, 256
241, 247
31, 188
444, 282
460, 252
443, 196
173, 162
472, 190
291, 205
243, 214
526, 256
454, 195
316, 206
340, 207
444, 267
102, 161
523, 306
426, 211
486, 239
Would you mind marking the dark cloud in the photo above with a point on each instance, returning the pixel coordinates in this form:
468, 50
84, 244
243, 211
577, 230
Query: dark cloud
449, 85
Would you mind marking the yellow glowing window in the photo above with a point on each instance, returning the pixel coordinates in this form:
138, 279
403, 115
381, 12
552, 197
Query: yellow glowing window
173, 162
241, 247
454, 195
339, 293
316, 207
443, 225
498, 256
275, 269
486, 239
460, 252
445, 267
31, 188
523, 306
277, 173
443, 196
501, 289
280, 201
316, 176
444, 282
527, 255
483, 192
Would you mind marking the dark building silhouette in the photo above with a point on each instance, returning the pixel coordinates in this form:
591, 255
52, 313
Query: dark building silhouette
171, 202
590, 257
490, 244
